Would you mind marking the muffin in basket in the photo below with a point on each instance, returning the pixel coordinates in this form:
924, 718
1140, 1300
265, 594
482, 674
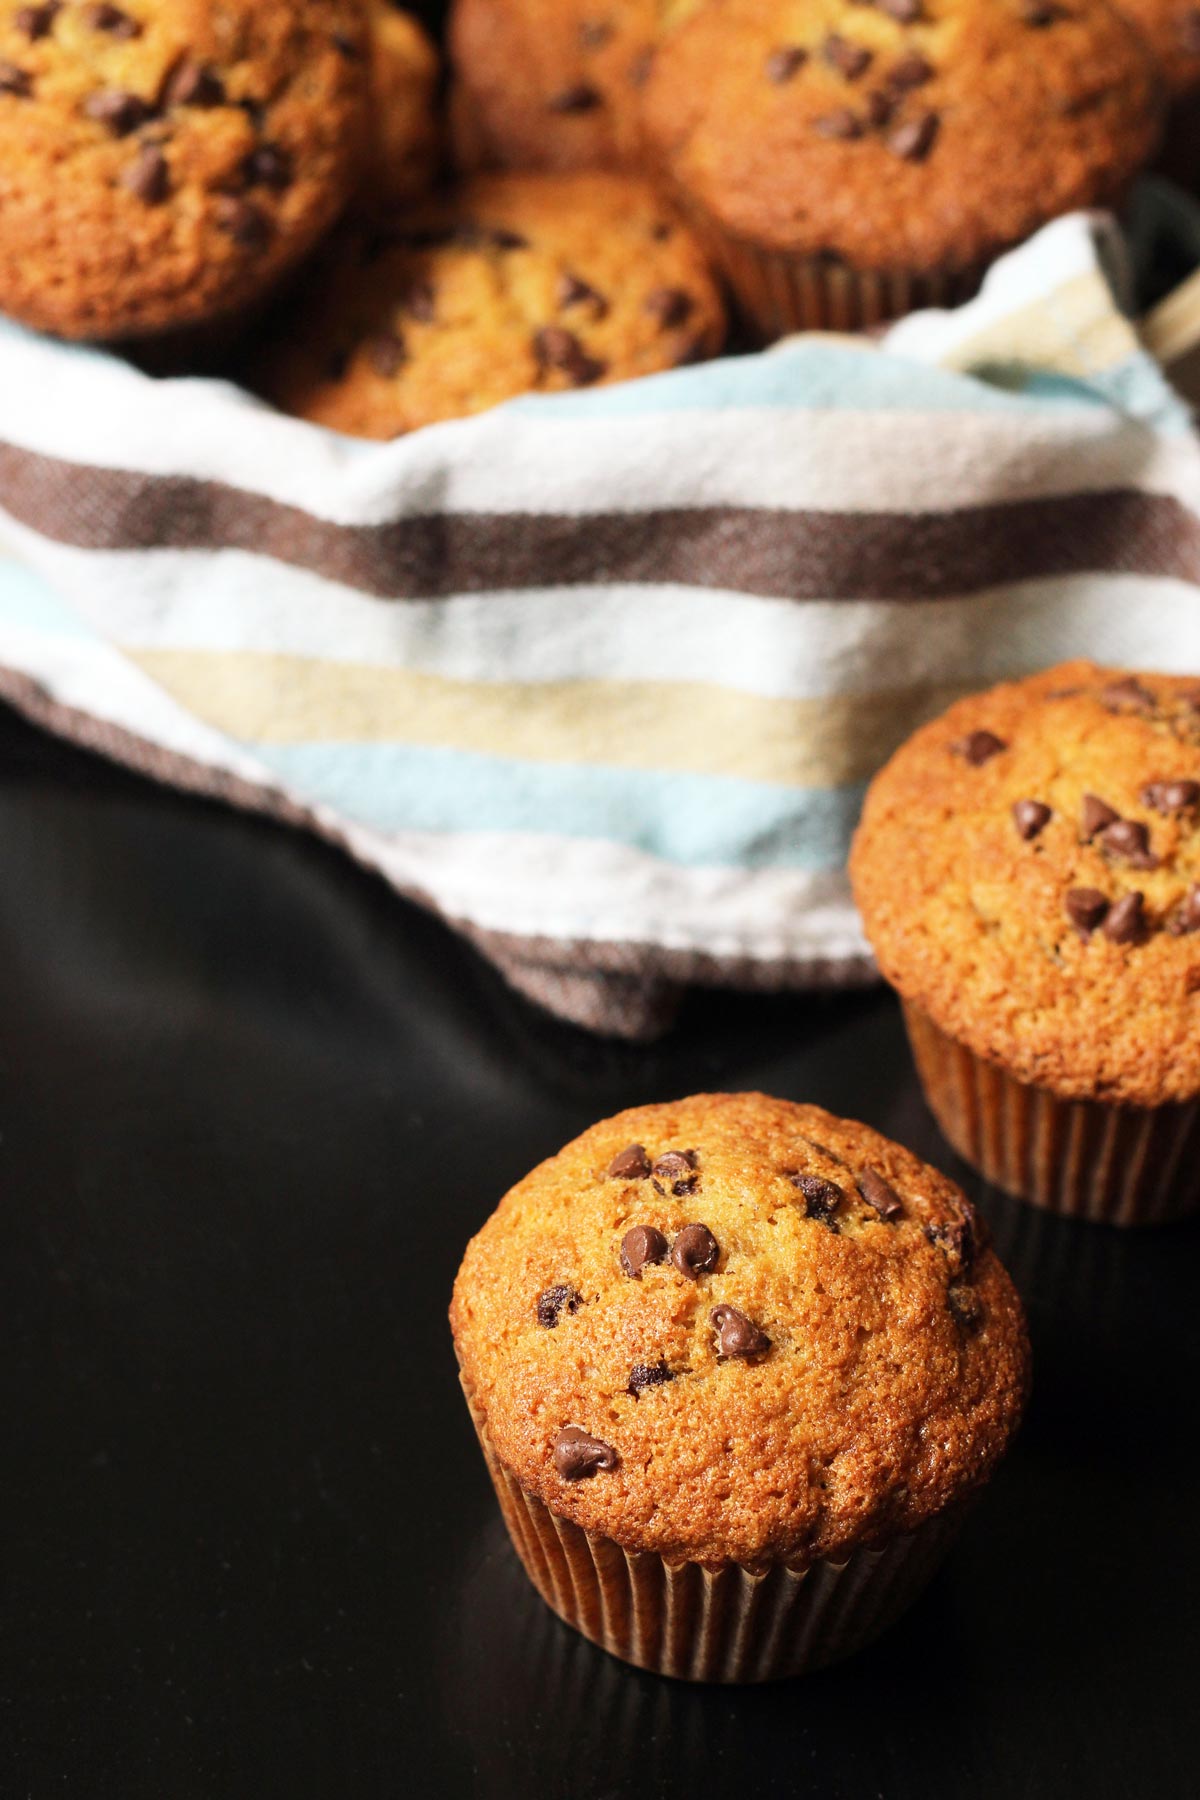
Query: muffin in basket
853, 161
404, 142
162, 166
1172, 29
514, 284
1028, 872
736, 1367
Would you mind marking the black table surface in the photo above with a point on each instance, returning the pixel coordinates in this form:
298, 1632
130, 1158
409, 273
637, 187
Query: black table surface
251, 1108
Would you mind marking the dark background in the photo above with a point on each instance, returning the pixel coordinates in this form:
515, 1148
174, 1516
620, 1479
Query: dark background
251, 1107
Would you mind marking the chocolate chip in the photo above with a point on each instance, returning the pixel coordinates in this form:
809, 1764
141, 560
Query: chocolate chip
1095, 814
1129, 839
630, 1164
580, 97
679, 1168
14, 81
850, 60
1127, 695
880, 107
1085, 907
119, 111
1126, 921
346, 46
1171, 796
670, 306
695, 1252
506, 239
821, 1198
573, 290
661, 230
148, 176
642, 1244
1040, 13
270, 165
578, 1455
647, 1375
965, 1304
554, 1301
386, 353
907, 12
193, 83
118, 24
1187, 919
956, 1239
912, 71
736, 1334
1189, 32
913, 140
243, 221
842, 124
595, 33
1030, 816
556, 348
979, 747
879, 1194
35, 22
782, 64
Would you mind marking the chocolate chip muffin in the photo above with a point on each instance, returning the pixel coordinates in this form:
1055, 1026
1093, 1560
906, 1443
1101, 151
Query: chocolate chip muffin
736, 1366
853, 160
404, 143
514, 284
161, 166
1172, 29
1028, 872
551, 84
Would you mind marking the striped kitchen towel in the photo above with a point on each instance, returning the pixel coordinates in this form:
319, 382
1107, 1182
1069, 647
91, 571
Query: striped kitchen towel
600, 677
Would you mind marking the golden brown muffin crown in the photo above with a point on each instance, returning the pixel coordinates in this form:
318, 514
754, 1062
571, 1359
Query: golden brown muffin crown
404, 142
905, 134
1028, 871
161, 164
1172, 29
737, 1329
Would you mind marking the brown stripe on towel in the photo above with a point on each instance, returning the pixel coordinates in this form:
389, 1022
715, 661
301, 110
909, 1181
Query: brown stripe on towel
771, 552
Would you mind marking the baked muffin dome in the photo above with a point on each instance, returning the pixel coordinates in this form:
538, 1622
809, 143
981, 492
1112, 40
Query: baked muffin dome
515, 283
1172, 29
208, 147
404, 140
1028, 871
734, 1329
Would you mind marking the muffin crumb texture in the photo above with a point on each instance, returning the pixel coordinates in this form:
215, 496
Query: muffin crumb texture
783, 1338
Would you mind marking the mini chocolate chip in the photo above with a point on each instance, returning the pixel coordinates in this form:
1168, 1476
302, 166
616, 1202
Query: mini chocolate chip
913, 140
554, 1301
1095, 814
662, 229
578, 1455
956, 1239
850, 60
1040, 13
679, 1168
879, 1194
782, 64
880, 107
1130, 839
243, 221
119, 111
695, 1252
1085, 907
912, 71
35, 22
346, 46
736, 1334
270, 165
630, 1164
1127, 695
386, 354
821, 1198
595, 33
979, 747
193, 83
670, 306
1030, 816
1171, 796
642, 1244
1189, 32
556, 348
14, 81
118, 24
148, 176
580, 97
647, 1375
1126, 921
573, 290
841, 124
965, 1304
506, 239
906, 12
1187, 919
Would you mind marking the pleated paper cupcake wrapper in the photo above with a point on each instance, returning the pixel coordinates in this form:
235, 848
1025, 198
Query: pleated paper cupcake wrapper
1113, 1165
724, 1624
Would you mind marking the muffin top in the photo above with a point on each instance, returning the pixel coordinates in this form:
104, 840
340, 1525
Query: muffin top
737, 1329
515, 283
904, 134
161, 164
404, 140
1028, 871
1172, 28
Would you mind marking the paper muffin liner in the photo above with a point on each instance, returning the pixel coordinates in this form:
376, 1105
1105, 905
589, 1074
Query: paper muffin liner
703, 1623
1113, 1165
777, 291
